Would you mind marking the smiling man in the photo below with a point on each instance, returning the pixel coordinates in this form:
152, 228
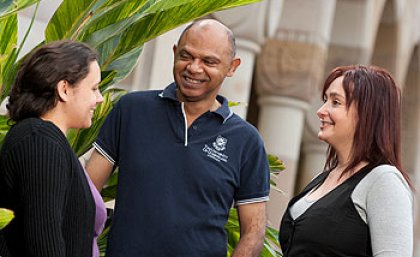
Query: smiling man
184, 158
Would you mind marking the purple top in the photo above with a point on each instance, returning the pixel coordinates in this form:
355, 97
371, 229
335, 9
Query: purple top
100, 216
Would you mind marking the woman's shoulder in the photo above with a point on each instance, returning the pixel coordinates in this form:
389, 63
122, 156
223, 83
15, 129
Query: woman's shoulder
385, 173
34, 129
382, 184
382, 177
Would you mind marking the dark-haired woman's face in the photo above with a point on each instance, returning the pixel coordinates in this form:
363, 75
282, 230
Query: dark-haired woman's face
338, 123
85, 96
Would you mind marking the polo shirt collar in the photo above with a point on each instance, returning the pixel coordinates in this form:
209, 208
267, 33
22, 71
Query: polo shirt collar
224, 111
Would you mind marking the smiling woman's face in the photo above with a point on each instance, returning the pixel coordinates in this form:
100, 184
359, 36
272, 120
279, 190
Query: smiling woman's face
84, 98
338, 124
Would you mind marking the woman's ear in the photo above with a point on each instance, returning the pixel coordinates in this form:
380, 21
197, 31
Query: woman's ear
63, 90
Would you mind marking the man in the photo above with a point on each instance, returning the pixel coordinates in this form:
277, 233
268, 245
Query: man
184, 158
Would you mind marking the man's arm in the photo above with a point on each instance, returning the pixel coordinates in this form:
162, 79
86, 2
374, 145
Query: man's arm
252, 220
99, 169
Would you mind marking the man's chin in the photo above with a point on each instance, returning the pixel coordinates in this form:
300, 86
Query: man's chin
188, 95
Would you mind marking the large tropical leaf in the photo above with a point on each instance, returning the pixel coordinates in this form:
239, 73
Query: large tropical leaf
9, 50
8, 44
11, 7
8, 30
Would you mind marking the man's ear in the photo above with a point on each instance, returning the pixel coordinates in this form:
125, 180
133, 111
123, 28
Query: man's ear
233, 66
63, 90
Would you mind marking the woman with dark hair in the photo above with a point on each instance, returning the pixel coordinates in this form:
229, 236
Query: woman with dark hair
362, 204
41, 178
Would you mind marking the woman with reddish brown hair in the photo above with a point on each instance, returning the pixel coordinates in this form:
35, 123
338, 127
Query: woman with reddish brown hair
362, 204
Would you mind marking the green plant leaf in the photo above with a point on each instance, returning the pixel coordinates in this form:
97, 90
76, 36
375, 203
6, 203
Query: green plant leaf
4, 128
102, 241
8, 30
8, 45
10, 50
69, 17
5, 217
11, 7
276, 165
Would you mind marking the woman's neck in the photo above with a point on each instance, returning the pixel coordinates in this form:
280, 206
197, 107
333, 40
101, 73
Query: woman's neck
52, 116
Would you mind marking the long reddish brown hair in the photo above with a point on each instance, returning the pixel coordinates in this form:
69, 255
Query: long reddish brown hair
377, 100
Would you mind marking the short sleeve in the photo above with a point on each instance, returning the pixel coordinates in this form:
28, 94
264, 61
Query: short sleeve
108, 140
254, 177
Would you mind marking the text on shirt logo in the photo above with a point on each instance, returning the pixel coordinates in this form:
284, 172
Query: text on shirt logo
214, 152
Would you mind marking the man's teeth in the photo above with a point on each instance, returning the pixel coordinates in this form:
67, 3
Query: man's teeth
192, 80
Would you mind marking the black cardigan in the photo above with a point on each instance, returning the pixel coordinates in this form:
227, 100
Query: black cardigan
43, 182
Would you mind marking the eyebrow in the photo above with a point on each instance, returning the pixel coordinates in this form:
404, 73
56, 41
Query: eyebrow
204, 57
336, 95
211, 58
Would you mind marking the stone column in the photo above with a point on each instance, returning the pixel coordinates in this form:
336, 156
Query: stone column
291, 66
250, 32
238, 87
281, 125
286, 75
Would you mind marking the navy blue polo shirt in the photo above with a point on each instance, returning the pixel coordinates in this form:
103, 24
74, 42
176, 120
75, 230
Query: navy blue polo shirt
177, 184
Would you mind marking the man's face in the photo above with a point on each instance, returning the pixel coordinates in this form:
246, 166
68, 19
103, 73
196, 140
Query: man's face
202, 60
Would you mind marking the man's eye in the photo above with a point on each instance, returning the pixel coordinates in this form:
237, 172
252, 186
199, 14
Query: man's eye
185, 56
210, 63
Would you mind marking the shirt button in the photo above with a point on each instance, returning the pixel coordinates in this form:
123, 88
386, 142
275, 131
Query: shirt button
194, 127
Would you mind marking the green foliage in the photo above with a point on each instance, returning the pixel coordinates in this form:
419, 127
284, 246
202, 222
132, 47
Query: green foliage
276, 165
5, 217
11, 7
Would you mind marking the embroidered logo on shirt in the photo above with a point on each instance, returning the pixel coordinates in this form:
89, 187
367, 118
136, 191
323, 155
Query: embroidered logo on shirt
215, 152
220, 143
